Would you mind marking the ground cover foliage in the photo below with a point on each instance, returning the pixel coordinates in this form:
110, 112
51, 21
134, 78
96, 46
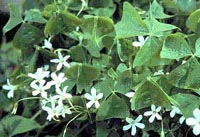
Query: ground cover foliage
115, 68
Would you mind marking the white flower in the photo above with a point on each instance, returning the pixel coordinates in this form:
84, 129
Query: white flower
153, 113
39, 75
130, 95
93, 98
194, 122
53, 111
64, 110
57, 80
61, 61
62, 95
175, 110
133, 124
181, 119
47, 44
40, 89
159, 72
11, 89
141, 41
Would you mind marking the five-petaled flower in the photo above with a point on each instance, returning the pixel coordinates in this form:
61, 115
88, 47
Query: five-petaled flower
61, 61
194, 122
175, 110
39, 75
47, 44
153, 113
53, 111
57, 80
11, 89
40, 89
133, 124
93, 98
141, 41
62, 95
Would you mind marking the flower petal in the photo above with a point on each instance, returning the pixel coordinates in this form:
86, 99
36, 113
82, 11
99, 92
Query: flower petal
127, 127
153, 107
88, 96
60, 55
59, 66
6, 87
196, 129
191, 121
158, 117
196, 113
67, 95
44, 94
136, 44
181, 120
35, 92
93, 92
130, 94
100, 96
151, 119
55, 60
129, 120
148, 113
89, 104
140, 125
10, 94
66, 57
141, 39
97, 104
139, 118
133, 130
66, 64
158, 109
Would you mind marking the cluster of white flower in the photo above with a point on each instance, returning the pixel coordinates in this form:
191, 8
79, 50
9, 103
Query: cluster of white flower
154, 113
58, 103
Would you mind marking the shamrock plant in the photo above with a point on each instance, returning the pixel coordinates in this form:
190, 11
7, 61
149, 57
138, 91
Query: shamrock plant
101, 68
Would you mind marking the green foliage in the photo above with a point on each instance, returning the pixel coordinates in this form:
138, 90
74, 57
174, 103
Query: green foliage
193, 20
158, 11
148, 94
13, 125
83, 75
27, 36
14, 20
125, 55
113, 107
185, 76
175, 47
131, 23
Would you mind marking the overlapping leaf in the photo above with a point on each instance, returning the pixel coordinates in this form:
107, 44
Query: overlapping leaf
83, 75
150, 93
149, 54
113, 107
27, 36
187, 103
94, 30
131, 23
175, 47
193, 20
158, 11
186, 75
